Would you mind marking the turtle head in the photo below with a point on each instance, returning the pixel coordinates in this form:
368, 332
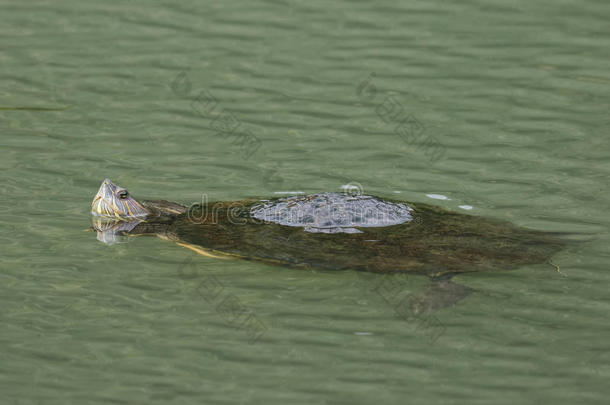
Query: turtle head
112, 201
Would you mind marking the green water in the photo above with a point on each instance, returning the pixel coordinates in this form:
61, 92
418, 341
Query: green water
501, 106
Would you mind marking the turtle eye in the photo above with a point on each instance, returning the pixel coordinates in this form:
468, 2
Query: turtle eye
123, 194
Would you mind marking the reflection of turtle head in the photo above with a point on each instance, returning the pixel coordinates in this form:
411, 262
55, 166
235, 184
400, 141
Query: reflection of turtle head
115, 202
111, 231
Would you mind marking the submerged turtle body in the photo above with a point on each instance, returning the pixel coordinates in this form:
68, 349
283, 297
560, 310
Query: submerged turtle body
331, 231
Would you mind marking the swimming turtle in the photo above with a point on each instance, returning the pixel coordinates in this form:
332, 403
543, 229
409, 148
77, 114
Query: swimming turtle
331, 231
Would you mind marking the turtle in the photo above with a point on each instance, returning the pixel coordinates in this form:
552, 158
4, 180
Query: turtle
332, 231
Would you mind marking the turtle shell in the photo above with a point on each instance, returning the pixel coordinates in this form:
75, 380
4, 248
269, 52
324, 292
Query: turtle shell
335, 232
332, 212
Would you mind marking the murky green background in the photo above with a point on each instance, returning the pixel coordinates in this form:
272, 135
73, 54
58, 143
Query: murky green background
515, 93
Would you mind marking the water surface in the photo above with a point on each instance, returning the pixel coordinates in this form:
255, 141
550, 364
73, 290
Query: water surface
499, 108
